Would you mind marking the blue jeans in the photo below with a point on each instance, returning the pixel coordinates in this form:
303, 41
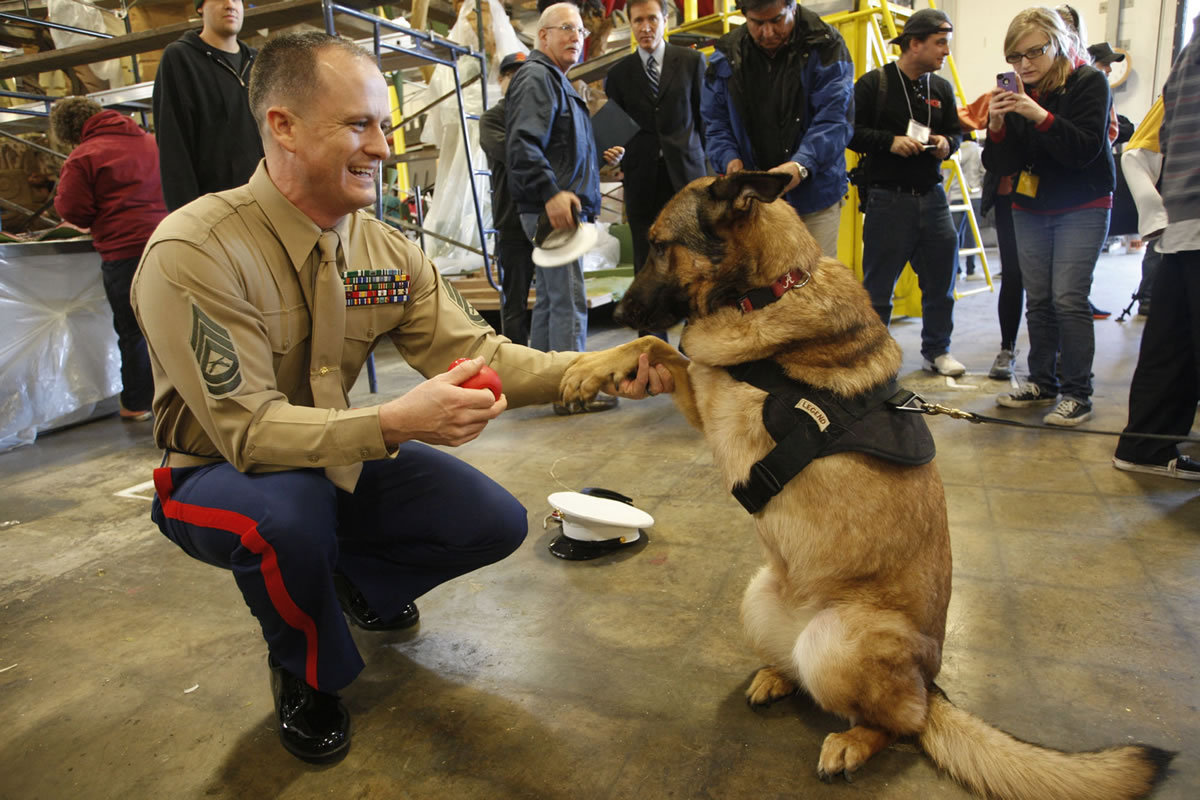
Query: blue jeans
560, 309
1058, 255
902, 228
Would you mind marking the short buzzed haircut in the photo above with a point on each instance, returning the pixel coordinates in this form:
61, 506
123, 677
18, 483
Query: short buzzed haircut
285, 70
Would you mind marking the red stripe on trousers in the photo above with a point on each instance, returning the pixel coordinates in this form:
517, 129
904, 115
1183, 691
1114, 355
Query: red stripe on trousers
246, 529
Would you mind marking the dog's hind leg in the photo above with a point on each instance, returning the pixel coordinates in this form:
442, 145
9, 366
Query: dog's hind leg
845, 752
771, 628
863, 663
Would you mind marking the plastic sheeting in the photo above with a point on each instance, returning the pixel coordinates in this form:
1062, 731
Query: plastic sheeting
87, 17
58, 355
606, 254
452, 211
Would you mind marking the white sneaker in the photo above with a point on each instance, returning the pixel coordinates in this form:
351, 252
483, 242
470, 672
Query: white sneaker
945, 364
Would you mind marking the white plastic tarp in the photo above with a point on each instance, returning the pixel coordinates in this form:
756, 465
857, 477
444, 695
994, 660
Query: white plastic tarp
452, 211
87, 17
58, 355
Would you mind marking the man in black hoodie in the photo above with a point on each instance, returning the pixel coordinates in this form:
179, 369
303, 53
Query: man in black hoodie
207, 138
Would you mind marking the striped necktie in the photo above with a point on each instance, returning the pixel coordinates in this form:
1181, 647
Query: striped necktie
652, 73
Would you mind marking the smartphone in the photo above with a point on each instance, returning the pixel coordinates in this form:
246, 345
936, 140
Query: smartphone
1008, 81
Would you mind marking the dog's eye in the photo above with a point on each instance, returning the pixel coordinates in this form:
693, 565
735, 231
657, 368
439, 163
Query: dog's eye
660, 248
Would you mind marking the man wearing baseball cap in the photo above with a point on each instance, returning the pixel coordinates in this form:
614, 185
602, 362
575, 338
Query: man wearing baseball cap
906, 124
513, 248
207, 138
1103, 56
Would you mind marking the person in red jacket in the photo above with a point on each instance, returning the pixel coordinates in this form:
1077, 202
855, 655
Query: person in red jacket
110, 183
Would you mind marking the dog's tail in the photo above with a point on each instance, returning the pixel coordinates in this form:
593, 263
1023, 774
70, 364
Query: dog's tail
996, 765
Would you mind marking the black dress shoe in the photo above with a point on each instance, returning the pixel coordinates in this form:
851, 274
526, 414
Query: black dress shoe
354, 605
314, 726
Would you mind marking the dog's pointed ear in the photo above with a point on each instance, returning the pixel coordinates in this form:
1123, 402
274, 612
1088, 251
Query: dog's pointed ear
742, 188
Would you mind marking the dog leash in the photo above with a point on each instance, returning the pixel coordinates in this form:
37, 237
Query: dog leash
918, 405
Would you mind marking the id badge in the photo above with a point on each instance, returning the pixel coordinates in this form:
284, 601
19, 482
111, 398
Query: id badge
1027, 184
918, 131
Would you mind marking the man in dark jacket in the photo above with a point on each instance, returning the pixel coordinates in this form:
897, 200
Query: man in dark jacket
513, 248
778, 96
552, 168
207, 138
658, 85
906, 122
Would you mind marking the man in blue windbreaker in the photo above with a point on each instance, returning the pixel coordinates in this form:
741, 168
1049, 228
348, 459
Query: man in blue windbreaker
779, 96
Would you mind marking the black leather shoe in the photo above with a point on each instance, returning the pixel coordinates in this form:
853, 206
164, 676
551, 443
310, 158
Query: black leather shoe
314, 726
354, 605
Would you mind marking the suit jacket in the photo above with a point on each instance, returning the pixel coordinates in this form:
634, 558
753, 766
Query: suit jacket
670, 122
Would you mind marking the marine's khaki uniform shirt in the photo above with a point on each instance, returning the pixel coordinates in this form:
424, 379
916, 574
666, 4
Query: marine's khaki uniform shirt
219, 297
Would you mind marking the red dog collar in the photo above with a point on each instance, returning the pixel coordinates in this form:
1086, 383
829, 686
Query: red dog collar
764, 296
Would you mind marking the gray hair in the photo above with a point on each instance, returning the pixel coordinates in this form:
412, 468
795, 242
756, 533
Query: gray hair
551, 13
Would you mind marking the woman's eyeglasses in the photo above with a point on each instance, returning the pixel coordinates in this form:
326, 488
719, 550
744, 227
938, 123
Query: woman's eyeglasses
1028, 55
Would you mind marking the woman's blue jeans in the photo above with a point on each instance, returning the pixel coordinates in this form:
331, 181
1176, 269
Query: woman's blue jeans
1058, 254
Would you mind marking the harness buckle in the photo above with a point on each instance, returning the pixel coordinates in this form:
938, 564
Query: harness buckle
758, 488
913, 403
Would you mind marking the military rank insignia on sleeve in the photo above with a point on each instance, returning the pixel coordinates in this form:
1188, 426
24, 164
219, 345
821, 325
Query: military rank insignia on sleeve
215, 353
474, 316
368, 287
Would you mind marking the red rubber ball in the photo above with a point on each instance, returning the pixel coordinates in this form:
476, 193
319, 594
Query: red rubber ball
486, 378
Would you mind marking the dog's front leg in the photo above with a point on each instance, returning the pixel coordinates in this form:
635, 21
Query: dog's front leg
591, 372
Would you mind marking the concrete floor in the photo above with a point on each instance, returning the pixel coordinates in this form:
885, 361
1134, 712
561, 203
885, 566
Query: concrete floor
128, 670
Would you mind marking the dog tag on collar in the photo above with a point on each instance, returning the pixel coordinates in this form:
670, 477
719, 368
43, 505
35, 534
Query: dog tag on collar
918, 131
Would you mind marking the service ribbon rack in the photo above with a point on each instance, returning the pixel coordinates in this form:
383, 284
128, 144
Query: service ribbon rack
367, 287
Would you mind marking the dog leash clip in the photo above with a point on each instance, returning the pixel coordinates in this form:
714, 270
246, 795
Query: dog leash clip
918, 405
953, 413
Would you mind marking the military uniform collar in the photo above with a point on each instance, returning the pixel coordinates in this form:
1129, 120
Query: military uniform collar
296, 231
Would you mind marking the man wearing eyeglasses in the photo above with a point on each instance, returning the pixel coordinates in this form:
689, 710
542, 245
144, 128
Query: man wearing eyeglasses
778, 96
906, 124
553, 168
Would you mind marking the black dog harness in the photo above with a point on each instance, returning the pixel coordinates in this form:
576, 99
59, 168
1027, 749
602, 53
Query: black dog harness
808, 423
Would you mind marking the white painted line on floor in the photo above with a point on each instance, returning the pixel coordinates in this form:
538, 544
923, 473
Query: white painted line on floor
135, 492
953, 384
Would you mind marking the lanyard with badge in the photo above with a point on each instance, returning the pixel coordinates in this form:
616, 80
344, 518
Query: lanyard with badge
916, 130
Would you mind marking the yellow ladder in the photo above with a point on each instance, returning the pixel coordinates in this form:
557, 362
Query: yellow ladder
953, 168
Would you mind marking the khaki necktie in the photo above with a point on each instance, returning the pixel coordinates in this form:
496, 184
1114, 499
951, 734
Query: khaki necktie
328, 339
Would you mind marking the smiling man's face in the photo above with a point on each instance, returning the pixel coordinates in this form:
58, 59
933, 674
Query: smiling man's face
340, 143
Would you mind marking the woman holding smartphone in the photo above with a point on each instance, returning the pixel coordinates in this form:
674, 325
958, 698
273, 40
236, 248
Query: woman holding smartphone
1052, 131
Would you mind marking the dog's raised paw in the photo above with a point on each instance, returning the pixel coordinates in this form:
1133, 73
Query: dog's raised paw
768, 686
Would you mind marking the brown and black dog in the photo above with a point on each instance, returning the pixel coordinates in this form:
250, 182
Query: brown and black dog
851, 604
